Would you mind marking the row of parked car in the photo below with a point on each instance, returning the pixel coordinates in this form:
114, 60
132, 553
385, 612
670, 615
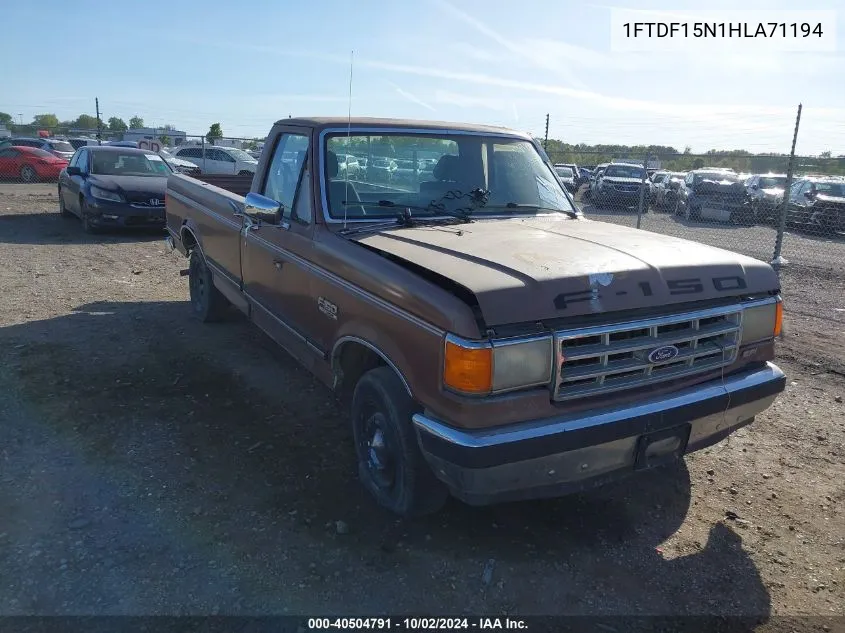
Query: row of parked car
816, 202
36, 159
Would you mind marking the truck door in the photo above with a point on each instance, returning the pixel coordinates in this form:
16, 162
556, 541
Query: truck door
273, 256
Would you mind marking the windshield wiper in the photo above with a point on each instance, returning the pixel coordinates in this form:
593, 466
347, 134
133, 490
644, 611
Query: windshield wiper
478, 197
533, 207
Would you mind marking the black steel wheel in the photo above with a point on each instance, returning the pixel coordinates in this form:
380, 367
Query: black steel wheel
390, 464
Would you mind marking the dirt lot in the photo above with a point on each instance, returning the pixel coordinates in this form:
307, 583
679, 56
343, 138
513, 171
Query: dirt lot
152, 465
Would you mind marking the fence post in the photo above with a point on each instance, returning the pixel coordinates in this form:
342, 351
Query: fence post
642, 192
204, 167
778, 261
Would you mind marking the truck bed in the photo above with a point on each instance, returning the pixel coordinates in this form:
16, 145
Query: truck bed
219, 194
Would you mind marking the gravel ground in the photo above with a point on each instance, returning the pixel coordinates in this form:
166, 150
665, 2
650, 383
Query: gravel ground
151, 465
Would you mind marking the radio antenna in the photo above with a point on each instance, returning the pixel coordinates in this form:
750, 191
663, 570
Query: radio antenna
348, 137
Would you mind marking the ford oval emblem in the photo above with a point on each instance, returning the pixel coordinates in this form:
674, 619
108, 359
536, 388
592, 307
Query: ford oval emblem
662, 354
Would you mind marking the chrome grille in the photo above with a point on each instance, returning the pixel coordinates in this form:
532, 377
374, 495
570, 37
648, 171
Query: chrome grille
604, 359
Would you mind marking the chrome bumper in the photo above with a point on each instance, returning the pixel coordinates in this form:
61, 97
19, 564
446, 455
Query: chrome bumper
559, 455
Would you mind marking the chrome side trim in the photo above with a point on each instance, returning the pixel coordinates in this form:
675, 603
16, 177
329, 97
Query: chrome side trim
338, 281
355, 339
552, 426
203, 209
293, 331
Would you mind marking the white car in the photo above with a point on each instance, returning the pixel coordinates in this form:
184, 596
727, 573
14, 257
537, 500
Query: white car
218, 160
178, 164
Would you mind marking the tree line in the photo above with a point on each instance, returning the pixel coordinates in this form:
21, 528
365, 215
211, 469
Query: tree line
672, 159
114, 126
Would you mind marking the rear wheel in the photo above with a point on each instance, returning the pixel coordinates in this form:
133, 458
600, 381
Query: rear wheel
390, 463
28, 174
207, 303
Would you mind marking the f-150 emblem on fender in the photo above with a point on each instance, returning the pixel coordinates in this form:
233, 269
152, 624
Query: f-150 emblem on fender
327, 308
662, 354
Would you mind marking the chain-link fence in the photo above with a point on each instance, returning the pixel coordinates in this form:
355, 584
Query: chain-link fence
734, 200
739, 202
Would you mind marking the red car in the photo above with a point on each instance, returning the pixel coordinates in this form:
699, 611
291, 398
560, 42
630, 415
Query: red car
30, 164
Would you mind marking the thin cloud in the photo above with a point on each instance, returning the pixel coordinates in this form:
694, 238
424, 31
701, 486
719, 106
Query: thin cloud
468, 101
412, 97
526, 52
515, 113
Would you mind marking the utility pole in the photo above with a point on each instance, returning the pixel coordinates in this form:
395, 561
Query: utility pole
99, 122
20, 118
546, 140
777, 259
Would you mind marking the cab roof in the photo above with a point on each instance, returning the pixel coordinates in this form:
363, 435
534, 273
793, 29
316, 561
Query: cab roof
368, 122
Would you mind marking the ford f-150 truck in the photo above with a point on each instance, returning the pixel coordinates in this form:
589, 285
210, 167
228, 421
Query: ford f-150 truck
494, 343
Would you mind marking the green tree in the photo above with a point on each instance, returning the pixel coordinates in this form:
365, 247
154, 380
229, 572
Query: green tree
86, 122
136, 122
45, 121
5, 119
164, 139
117, 124
169, 127
214, 132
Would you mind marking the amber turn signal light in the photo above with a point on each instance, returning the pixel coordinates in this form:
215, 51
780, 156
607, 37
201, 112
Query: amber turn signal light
468, 369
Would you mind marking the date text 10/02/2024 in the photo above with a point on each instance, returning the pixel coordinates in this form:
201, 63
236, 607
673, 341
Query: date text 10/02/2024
416, 624
700, 30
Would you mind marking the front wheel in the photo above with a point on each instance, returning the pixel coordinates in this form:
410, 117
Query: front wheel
390, 463
87, 225
207, 303
62, 208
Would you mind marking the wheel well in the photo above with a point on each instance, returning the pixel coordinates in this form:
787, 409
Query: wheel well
189, 241
351, 361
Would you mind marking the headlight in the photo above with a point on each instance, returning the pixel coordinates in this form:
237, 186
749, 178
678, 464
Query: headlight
762, 322
103, 194
479, 368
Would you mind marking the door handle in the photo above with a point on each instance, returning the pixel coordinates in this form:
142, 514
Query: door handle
278, 263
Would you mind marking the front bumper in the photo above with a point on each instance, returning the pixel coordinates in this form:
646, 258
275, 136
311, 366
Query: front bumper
125, 215
565, 454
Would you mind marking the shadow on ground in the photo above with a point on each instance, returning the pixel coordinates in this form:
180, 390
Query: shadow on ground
50, 228
251, 452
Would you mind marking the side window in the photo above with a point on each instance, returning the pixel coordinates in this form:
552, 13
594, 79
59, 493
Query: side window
688, 179
285, 169
219, 154
74, 159
82, 161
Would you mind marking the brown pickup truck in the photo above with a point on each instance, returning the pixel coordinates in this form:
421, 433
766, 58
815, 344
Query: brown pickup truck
495, 343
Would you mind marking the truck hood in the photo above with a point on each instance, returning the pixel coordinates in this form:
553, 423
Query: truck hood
531, 269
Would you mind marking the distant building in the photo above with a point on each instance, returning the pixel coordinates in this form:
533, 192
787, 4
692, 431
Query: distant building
177, 137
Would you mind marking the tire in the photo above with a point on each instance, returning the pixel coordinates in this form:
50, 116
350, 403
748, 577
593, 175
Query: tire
207, 303
390, 464
28, 174
86, 219
63, 212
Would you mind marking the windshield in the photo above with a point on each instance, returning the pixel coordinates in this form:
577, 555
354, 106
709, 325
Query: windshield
772, 182
834, 189
239, 154
510, 170
128, 164
62, 146
717, 176
624, 171
564, 172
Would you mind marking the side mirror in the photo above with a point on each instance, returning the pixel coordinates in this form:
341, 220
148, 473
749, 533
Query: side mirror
74, 171
262, 208
755, 186
808, 195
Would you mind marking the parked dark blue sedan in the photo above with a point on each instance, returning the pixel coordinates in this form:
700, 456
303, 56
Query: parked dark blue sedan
107, 186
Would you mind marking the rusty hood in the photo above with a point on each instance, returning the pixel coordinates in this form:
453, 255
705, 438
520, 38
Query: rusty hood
539, 268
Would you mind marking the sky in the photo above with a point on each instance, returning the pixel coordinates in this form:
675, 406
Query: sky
247, 64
